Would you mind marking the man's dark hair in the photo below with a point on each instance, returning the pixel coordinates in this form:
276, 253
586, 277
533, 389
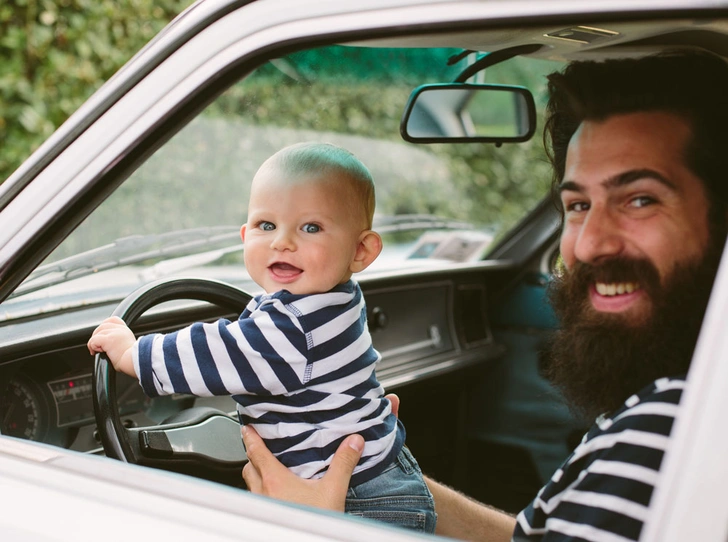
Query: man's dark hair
692, 84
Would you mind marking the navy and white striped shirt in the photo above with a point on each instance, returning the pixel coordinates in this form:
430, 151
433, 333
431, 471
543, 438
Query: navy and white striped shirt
300, 367
602, 491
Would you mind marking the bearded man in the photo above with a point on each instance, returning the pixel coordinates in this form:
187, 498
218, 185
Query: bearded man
637, 148
647, 146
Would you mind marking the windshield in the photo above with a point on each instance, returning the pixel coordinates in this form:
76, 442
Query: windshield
180, 213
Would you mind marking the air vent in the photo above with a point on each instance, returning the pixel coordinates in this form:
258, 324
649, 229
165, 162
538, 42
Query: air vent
472, 319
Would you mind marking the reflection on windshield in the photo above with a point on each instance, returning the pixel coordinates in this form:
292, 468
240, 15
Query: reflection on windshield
184, 249
171, 246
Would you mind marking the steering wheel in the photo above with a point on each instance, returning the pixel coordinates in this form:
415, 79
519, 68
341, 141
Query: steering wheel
201, 441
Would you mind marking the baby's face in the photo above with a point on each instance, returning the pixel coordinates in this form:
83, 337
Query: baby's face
301, 236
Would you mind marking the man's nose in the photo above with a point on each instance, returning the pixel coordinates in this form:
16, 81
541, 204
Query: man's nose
599, 237
283, 240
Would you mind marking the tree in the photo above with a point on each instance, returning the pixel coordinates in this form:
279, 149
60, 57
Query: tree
56, 53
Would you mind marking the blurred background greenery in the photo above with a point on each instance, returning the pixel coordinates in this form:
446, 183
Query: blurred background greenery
55, 53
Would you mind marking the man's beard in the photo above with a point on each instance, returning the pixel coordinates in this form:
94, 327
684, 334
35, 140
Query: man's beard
599, 359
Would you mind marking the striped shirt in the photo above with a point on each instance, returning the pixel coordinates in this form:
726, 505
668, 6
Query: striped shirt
300, 367
602, 491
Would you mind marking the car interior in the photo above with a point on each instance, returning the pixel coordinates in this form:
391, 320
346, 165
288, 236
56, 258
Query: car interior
450, 124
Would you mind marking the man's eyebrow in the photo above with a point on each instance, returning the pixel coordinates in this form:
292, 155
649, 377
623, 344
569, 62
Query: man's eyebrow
569, 186
622, 179
637, 174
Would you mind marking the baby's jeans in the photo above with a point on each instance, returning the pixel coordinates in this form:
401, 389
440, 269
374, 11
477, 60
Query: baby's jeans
398, 496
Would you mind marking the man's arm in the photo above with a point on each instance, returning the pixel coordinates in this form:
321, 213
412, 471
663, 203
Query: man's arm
457, 515
461, 517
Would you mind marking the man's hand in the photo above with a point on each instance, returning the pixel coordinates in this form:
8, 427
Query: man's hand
265, 475
115, 339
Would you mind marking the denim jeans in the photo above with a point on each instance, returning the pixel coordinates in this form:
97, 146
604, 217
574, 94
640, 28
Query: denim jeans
398, 496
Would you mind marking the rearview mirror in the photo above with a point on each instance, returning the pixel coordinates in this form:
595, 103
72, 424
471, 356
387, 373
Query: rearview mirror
462, 112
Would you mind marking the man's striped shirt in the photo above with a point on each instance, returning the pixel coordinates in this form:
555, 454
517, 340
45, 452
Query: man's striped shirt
300, 367
602, 491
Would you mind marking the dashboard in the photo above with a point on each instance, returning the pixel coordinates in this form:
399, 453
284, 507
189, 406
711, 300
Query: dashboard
49, 399
424, 325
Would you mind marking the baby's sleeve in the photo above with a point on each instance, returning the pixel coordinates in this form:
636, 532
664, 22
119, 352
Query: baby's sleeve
264, 353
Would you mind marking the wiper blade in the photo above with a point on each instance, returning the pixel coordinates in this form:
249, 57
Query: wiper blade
387, 224
128, 251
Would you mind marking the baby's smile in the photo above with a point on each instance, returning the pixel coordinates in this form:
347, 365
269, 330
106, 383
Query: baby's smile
284, 272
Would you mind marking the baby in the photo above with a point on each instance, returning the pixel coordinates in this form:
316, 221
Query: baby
299, 361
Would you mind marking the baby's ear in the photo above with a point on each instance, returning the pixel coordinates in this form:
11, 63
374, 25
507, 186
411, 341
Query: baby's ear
242, 232
370, 245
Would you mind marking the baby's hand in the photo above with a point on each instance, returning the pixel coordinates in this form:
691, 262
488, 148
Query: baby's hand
116, 339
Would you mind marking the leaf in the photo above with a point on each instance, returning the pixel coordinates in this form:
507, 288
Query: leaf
55, 53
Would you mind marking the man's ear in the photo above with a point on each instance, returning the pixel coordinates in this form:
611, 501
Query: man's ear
370, 245
242, 232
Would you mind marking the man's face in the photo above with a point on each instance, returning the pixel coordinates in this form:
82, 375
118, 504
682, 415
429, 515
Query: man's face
627, 194
640, 260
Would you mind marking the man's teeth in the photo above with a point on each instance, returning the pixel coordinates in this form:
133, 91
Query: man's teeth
616, 288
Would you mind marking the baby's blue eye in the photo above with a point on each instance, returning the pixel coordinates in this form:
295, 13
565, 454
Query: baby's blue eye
311, 228
267, 226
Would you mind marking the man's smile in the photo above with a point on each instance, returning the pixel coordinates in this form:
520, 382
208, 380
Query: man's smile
616, 288
615, 296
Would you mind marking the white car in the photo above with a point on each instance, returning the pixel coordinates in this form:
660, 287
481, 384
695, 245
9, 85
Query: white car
136, 203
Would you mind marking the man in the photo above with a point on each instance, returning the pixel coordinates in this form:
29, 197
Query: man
637, 148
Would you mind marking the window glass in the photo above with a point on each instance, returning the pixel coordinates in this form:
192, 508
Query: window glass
183, 208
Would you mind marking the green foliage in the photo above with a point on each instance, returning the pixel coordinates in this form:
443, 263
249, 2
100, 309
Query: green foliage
55, 53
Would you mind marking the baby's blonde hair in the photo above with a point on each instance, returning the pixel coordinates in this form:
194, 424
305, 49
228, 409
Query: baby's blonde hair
325, 159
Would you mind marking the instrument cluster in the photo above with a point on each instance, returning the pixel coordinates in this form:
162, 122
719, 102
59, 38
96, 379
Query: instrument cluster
48, 400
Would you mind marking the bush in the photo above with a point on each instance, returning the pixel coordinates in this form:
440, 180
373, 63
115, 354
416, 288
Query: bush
56, 53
